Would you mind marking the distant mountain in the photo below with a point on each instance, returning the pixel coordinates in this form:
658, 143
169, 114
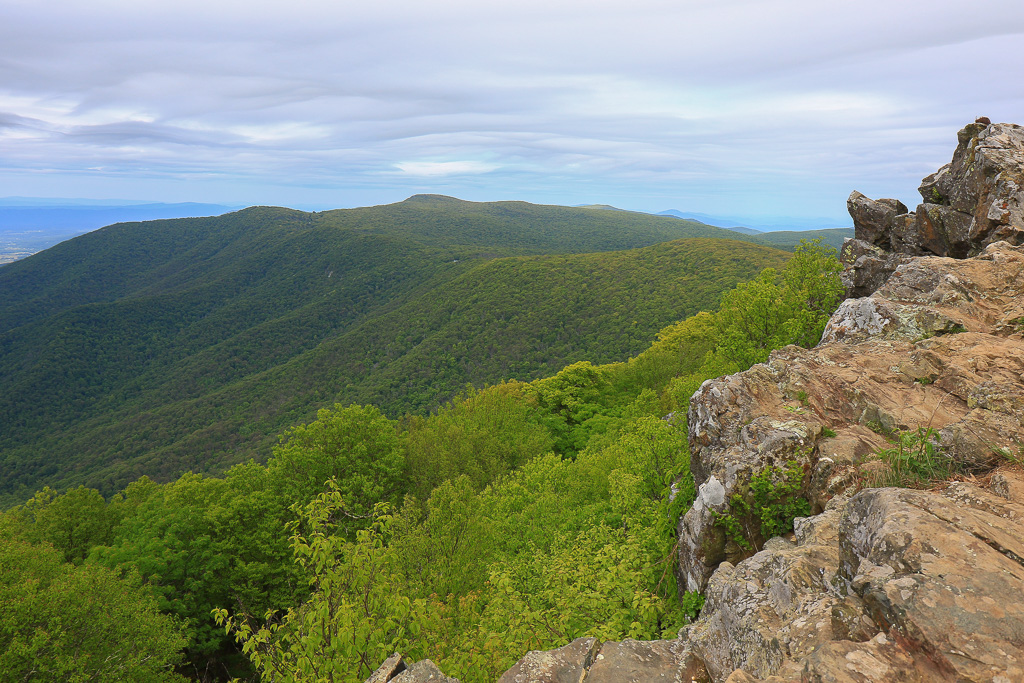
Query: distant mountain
785, 234
745, 231
762, 224
173, 345
607, 207
786, 239
729, 223
29, 225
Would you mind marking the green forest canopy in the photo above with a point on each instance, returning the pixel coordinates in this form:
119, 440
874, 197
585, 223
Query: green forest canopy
515, 517
171, 346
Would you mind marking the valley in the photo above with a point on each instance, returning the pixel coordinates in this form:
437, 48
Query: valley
188, 345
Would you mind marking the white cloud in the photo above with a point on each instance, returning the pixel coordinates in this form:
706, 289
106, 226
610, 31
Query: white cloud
651, 104
429, 169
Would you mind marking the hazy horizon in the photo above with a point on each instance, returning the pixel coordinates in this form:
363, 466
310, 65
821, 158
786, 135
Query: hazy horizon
759, 109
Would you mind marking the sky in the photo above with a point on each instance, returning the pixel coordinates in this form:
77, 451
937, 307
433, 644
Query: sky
769, 108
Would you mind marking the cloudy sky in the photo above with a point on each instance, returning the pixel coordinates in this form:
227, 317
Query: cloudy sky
752, 108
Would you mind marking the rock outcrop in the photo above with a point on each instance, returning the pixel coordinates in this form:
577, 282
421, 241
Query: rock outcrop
938, 346
633, 661
889, 585
657, 661
884, 584
971, 202
395, 670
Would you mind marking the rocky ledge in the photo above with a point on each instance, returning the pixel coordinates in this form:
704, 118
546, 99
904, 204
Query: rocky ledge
971, 202
878, 583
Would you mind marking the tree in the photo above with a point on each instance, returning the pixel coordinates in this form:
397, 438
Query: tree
356, 445
72, 523
62, 622
776, 309
357, 614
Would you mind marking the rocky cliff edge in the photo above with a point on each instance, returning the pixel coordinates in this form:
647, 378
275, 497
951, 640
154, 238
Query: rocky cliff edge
880, 583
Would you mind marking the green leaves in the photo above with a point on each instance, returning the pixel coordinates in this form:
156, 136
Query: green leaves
355, 445
72, 523
62, 622
916, 461
776, 309
480, 434
357, 613
767, 508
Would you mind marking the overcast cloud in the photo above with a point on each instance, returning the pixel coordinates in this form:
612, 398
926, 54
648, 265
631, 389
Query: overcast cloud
722, 106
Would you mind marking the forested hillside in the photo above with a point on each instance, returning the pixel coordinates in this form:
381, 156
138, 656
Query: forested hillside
161, 347
785, 239
515, 517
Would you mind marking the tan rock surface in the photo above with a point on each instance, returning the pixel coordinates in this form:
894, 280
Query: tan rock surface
628, 661
567, 664
938, 346
886, 584
889, 585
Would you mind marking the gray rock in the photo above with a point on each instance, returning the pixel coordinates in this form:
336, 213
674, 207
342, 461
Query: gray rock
391, 667
773, 606
889, 585
656, 661
872, 220
567, 664
423, 671
935, 189
728, 444
868, 266
975, 200
943, 231
636, 661
1009, 485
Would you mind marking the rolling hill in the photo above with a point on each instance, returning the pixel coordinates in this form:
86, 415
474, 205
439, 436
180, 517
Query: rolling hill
166, 346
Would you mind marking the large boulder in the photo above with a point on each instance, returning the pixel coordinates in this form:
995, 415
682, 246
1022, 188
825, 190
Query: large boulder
395, 670
636, 661
971, 202
873, 220
889, 585
567, 664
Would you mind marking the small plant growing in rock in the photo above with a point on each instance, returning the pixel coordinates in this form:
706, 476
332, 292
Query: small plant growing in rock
774, 502
690, 604
914, 460
828, 433
880, 429
1010, 456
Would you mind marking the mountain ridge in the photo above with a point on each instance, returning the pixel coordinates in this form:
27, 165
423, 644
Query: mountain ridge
154, 325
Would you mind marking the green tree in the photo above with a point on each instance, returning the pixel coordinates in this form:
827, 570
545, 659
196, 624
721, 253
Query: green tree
62, 622
171, 542
357, 614
72, 522
444, 547
480, 434
776, 309
811, 280
356, 445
